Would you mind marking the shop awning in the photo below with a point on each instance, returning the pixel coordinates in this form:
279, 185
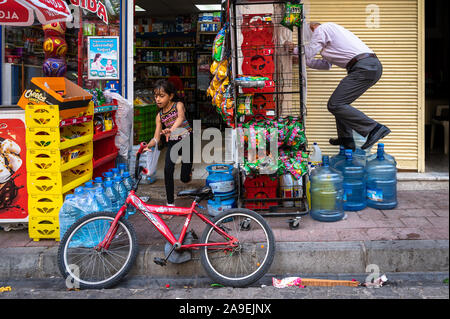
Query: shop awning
22, 12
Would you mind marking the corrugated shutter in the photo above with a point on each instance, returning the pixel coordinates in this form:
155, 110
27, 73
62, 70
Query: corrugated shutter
397, 99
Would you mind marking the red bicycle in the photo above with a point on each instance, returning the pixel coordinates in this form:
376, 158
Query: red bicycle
236, 249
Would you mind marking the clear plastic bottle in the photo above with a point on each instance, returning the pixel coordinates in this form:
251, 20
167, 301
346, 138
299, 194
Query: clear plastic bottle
68, 214
128, 183
108, 176
354, 175
98, 182
112, 194
121, 190
103, 200
316, 156
116, 172
122, 169
338, 157
327, 193
381, 183
287, 189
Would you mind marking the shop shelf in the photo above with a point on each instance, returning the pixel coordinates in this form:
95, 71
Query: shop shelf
103, 135
48, 116
105, 108
105, 159
76, 120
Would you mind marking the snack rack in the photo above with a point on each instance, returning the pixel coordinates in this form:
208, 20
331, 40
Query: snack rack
258, 43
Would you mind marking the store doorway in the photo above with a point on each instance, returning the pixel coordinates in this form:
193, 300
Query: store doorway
436, 84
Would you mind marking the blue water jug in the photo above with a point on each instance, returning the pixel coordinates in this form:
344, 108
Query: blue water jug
221, 179
354, 184
338, 157
381, 182
386, 155
112, 194
327, 193
360, 156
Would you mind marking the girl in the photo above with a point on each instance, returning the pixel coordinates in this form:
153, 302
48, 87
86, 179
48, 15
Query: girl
171, 124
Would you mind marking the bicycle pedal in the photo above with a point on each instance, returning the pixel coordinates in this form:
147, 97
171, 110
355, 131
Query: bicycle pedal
159, 261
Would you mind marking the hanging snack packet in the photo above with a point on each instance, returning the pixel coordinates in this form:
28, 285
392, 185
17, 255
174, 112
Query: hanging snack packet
292, 16
245, 103
219, 43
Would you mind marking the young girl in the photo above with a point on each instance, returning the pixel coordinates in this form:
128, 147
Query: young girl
171, 124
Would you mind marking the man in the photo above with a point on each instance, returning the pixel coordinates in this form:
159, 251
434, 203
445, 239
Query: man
341, 47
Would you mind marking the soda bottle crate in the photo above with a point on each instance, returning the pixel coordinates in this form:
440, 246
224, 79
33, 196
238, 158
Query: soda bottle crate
59, 138
57, 183
51, 160
48, 116
44, 205
43, 228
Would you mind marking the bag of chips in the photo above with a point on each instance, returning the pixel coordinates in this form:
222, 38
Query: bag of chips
293, 16
219, 43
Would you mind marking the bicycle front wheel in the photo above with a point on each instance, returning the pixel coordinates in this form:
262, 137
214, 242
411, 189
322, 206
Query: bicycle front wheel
250, 260
85, 267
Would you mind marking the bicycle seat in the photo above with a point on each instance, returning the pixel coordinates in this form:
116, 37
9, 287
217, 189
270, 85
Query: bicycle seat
204, 192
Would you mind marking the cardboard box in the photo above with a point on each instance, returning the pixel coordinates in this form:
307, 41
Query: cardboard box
70, 98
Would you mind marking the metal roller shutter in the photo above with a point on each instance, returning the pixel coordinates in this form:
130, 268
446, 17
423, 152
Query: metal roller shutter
397, 100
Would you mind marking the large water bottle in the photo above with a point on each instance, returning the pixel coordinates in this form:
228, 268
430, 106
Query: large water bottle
103, 200
112, 194
354, 183
68, 214
128, 183
116, 172
108, 176
316, 156
122, 169
327, 193
121, 190
98, 182
381, 183
386, 155
338, 157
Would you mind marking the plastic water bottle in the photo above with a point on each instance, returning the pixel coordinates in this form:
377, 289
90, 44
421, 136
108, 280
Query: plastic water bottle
122, 169
116, 172
121, 190
287, 189
103, 200
386, 155
128, 183
354, 183
108, 176
112, 194
381, 183
327, 193
316, 156
68, 214
338, 157
98, 182
89, 187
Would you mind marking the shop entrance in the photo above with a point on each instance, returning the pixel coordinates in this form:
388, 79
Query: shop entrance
436, 84
173, 41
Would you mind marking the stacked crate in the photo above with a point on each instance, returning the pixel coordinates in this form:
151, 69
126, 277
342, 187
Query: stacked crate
59, 159
144, 122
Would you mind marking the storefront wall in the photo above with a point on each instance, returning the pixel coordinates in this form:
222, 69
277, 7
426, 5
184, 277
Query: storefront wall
394, 29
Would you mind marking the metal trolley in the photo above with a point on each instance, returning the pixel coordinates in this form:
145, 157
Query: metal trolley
259, 46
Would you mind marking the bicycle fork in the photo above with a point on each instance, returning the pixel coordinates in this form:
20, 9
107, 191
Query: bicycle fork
104, 244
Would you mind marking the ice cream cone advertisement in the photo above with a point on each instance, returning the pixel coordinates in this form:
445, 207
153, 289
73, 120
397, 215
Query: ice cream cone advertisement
13, 175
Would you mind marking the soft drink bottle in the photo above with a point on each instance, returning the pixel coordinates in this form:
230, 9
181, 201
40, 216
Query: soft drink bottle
354, 175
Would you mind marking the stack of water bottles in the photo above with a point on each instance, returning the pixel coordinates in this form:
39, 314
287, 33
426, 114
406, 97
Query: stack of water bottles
98, 195
351, 181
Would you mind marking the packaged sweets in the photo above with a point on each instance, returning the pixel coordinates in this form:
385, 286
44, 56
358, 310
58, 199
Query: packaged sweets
293, 16
219, 43
245, 103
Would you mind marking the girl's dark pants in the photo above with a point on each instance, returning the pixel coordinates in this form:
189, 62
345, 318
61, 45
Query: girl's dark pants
186, 166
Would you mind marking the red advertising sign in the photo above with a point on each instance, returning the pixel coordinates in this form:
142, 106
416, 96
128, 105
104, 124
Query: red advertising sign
94, 6
13, 13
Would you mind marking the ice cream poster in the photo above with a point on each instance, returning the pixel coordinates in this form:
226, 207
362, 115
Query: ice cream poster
103, 58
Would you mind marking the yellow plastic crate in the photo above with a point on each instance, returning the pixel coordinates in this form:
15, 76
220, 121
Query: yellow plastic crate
50, 160
48, 116
43, 228
53, 138
44, 205
40, 183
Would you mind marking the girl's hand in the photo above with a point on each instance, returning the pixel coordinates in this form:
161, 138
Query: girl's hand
167, 132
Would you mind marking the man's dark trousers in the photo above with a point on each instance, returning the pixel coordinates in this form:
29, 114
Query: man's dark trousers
362, 76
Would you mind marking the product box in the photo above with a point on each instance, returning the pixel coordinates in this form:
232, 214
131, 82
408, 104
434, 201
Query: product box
70, 98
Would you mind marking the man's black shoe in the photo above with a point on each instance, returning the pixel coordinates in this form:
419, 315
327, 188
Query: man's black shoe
378, 133
347, 142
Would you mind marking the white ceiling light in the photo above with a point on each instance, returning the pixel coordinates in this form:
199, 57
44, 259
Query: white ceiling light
138, 8
209, 7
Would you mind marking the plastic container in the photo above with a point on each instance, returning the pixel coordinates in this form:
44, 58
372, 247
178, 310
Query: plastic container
316, 156
338, 157
68, 214
121, 190
221, 179
287, 189
98, 182
122, 169
361, 156
298, 191
386, 155
116, 172
381, 183
128, 183
108, 176
103, 200
354, 185
112, 194
327, 193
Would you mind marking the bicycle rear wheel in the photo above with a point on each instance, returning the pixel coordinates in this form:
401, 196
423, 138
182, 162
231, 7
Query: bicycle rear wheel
250, 260
86, 267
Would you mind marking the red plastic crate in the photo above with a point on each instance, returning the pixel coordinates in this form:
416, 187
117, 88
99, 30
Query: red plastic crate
260, 187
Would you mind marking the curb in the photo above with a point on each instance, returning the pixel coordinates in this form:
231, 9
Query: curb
290, 258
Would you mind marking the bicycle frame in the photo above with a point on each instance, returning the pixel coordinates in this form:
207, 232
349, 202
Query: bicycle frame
152, 212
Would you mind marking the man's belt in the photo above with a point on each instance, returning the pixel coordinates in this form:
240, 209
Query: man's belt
359, 58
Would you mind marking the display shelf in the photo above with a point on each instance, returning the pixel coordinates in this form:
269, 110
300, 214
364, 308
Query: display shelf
105, 109
106, 134
77, 120
166, 48
106, 159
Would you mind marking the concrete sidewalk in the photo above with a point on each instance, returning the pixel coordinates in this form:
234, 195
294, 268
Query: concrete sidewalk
411, 238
